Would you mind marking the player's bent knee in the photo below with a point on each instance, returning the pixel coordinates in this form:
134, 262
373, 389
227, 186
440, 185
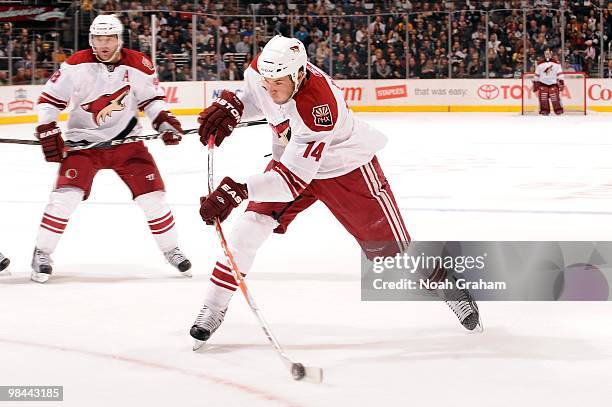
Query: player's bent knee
250, 231
151, 201
65, 200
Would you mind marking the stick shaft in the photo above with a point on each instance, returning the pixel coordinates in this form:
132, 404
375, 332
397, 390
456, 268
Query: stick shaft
230, 258
76, 146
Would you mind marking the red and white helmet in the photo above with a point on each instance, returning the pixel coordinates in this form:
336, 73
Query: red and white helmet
282, 56
106, 24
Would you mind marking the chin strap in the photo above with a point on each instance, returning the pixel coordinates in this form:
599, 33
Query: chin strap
117, 51
297, 86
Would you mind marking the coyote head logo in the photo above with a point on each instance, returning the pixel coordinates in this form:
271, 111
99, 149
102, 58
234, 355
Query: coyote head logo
283, 132
105, 105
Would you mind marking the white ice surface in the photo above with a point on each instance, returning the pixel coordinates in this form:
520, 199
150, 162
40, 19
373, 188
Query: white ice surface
112, 324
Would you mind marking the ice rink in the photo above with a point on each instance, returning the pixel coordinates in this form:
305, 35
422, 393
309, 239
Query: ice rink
112, 324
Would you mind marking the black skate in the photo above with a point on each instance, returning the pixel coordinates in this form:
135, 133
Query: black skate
461, 303
41, 266
176, 258
205, 325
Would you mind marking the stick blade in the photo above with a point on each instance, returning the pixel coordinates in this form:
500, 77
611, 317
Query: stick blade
313, 374
197, 345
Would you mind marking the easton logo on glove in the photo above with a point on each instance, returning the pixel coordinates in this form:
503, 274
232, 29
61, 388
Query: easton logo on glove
229, 107
222, 200
220, 118
231, 193
49, 133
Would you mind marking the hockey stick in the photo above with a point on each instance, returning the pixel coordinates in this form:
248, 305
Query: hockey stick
297, 370
85, 145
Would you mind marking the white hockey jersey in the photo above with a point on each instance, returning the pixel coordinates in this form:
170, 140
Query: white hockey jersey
314, 135
548, 72
104, 98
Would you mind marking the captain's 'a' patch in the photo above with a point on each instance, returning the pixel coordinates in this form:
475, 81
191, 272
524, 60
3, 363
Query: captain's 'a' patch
322, 116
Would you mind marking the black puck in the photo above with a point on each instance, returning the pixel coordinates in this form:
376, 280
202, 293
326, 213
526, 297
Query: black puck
298, 371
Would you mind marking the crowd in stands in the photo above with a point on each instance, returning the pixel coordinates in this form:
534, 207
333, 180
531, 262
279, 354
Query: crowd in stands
352, 38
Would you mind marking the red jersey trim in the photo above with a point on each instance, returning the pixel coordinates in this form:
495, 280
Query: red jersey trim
131, 58
82, 57
316, 103
46, 98
542, 60
296, 184
137, 60
254, 63
143, 105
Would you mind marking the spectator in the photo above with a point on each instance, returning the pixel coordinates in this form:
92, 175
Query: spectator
183, 74
608, 70
145, 40
244, 45
426, 28
474, 67
227, 46
171, 47
21, 78
301, 34
323, 56
355, 68
311, 50
340, 67
232, 73
210, 46
398, 71
219, 64
382, 70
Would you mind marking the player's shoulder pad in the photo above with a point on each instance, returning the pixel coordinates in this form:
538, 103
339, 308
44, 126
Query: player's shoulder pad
85, 56
137, 60
316, 102
253, 64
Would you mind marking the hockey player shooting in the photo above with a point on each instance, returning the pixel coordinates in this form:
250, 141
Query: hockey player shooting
548, 84
107, 85
320, 152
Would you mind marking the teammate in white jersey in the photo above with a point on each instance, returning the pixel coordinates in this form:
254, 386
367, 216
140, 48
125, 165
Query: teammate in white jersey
4, 262
320, 152
107, 85
548, 83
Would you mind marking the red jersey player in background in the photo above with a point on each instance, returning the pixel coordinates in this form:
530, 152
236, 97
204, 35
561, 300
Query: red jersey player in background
320, 152
107, 86
4, 262
548, 84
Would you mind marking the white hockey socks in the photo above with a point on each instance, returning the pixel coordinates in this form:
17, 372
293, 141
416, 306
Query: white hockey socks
62, 203
247, 236
160, 219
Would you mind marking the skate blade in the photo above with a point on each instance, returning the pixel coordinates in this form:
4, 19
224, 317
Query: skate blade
186, 273
40, 277
197, 345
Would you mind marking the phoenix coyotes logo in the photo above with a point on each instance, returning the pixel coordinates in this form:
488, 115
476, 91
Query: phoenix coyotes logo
548, 69
283, 132
322, 116
105, 105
